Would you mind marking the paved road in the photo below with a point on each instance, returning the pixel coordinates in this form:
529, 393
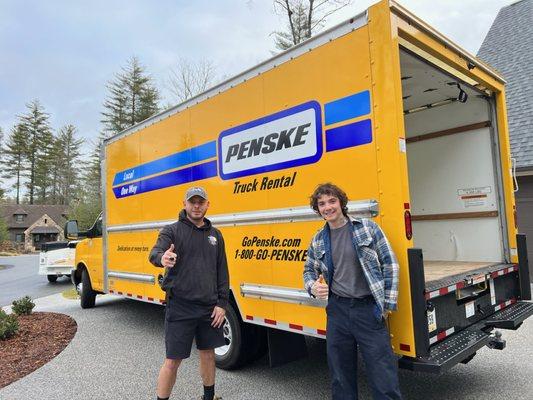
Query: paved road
19, 278
118, 348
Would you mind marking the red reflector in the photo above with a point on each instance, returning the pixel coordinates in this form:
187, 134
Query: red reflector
405, 347
406, 206
408, 226
515, 215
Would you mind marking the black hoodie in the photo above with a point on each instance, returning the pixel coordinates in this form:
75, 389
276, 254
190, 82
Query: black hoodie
200, 274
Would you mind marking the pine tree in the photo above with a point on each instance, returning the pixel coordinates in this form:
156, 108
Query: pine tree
87, 202
89, 195
35, 125
56, 166
131, 99
2, 191
92, 176
14, 158
70, 154
4, 234
45, 169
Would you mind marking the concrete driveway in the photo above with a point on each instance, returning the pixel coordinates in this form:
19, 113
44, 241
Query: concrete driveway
19, 277
119, 346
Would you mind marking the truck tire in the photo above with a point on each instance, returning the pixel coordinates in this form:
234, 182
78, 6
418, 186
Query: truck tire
232, 355
87, 294
51, 278
244, 342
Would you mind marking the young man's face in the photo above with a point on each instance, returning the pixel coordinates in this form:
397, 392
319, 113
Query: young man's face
330, 209
196, 207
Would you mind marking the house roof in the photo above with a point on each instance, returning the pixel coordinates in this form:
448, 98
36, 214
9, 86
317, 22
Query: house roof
509, 48
33, 213
45, 229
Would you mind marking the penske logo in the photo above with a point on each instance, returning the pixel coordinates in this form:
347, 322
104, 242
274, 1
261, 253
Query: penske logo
269, 143
282, 140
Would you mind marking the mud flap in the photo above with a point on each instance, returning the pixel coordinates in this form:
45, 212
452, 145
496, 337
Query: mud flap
284, 347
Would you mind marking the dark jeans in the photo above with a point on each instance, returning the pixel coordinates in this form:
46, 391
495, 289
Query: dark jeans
353, 322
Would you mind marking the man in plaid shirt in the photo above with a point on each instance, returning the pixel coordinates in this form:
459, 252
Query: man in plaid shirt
351, 263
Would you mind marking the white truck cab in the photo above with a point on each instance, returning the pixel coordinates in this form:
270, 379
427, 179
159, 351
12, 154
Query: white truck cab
57, 259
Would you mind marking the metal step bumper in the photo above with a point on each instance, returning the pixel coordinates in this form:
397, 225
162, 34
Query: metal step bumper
462, 346
449, 352
511, 317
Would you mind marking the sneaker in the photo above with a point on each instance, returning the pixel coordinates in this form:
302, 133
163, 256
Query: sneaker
214, 398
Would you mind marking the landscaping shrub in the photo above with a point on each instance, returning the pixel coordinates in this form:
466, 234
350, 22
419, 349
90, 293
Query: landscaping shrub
23, 306
9, 325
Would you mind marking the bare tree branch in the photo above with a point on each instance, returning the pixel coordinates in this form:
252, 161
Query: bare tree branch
318, 23
188, 78
304, 17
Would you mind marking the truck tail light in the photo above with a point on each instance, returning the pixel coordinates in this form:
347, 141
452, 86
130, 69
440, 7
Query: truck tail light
408, 225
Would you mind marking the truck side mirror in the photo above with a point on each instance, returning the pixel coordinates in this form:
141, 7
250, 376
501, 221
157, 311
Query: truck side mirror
71, 229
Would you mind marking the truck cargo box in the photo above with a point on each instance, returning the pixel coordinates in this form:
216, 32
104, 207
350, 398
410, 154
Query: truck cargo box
410, 125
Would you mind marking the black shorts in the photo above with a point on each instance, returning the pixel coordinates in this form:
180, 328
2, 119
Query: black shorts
183, 322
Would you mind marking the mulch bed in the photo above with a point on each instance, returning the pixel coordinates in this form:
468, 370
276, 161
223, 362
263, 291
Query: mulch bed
41, 337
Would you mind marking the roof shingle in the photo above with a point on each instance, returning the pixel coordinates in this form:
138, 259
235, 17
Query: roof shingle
508, 47
33, 213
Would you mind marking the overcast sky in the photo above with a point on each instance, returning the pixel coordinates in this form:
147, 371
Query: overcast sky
63, 52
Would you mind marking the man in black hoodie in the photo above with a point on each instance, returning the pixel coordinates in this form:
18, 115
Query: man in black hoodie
197, 284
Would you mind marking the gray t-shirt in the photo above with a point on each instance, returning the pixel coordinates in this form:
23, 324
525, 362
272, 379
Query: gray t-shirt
348, 276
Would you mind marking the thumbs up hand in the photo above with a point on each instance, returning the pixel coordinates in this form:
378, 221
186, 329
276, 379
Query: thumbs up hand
320, 288
168, 260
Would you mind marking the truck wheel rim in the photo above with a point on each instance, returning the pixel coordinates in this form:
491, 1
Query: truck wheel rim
226, 329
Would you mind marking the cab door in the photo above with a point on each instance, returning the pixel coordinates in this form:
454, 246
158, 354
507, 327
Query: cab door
95, 255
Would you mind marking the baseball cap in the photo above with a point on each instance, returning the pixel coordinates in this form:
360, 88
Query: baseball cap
195, 191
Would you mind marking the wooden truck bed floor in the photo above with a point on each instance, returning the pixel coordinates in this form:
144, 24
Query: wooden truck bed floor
436, 270
444, 273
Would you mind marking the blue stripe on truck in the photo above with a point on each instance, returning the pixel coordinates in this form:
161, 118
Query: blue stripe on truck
349, 135
185, 175
353, 106
139, 179
185, 157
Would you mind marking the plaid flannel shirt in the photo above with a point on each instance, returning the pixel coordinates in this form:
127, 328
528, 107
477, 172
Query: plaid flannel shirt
377, 259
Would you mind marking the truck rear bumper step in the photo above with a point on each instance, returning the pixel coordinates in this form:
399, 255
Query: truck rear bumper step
511, 316
449, 352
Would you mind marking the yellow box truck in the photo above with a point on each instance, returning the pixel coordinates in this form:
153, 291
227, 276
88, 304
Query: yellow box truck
409, 124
